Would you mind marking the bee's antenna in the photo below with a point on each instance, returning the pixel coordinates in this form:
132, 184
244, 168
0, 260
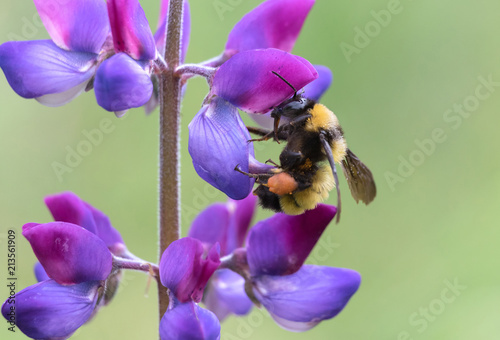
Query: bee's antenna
286, 81
329, 156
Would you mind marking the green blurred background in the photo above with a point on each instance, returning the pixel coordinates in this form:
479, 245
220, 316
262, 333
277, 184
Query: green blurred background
432, 224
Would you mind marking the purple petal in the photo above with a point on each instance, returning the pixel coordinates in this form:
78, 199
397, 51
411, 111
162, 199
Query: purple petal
273, 24
68, 207
48, 310
246, 80
316, 88
210, 226
226, 294
131, 32
37, 68
40, 273
300, 301
104, 229
242, 212
162, 24
122, 83
76, 25
184, 272
189, 321
297, 236
226, 224
69, 253
217, 144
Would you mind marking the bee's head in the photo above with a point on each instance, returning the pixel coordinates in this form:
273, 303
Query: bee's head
293, 107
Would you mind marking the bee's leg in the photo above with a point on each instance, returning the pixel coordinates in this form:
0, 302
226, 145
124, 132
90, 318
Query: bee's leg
259, 178
267, 134
273, 163
290, 159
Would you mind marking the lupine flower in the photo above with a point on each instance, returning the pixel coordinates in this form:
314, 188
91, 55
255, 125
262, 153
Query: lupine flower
105, 46
56, 71
271, 266
227, 224
257, 45
218, 138
48, 310
123, 81
185, 272
76, 273
297, 297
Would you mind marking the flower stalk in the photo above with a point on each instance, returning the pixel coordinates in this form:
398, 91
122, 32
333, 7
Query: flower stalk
170, 98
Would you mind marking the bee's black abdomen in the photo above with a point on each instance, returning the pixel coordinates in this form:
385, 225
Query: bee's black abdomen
267, 199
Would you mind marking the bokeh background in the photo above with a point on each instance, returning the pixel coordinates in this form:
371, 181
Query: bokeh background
433, 224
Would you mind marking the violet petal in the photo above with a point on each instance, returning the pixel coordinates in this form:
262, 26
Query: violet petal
217, 144
246, 80
189, 321
37, 68
76, 25
131, 32
40, 273
48, 310
104, 229
300, 301
69, 253
297, 236
226, 294
272, 24
122, 83
162, 24
210, 226
184, 271
315, 89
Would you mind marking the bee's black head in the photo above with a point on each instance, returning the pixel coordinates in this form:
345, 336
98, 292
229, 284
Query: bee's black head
293, 107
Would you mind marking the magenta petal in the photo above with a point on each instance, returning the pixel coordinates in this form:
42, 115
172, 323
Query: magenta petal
300, 301
189, 321
48, 310
246, 80
68, 207
40, 273
226, 294
242, 212
184, 271
316, 88
69, 253
162, 24
297, 236
121, 83
218, 142
272, 24
37, 68
130, 28
76, 25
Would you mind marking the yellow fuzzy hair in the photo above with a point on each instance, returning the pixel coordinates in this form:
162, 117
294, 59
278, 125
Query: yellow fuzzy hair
300, 201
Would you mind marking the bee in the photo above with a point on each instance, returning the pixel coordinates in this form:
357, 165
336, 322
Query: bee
301, 180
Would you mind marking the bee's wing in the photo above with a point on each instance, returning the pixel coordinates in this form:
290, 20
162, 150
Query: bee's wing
359, 178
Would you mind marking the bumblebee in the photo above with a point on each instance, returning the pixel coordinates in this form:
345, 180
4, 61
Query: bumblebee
301, 181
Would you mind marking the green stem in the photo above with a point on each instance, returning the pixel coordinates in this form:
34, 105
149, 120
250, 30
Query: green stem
170, 97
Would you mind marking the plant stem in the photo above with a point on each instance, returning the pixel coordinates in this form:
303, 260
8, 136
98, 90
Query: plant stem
170, 97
